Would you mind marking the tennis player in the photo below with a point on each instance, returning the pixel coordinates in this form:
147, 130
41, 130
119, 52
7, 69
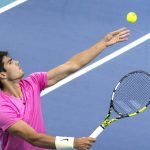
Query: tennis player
21, 121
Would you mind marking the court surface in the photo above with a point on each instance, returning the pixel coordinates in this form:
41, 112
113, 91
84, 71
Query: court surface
44, 34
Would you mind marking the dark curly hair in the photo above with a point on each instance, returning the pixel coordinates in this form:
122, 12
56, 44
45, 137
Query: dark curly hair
2, 54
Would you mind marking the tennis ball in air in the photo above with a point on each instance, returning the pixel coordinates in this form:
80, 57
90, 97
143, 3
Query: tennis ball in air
131, 17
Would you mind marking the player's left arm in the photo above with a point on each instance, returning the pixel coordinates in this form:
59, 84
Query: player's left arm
81, 59
61, 72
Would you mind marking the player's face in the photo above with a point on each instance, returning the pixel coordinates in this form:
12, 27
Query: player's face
13, 69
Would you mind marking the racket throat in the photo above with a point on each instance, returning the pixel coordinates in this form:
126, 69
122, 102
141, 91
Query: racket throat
107, 122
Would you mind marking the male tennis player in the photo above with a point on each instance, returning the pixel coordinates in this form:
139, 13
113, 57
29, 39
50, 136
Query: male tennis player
21, 121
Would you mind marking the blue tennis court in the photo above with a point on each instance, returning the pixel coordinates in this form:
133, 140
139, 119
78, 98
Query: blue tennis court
45, 34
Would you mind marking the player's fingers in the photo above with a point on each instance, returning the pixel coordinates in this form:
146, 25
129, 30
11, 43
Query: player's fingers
88, 146
92, 139
124, 36
89, 143
124, 32
118, 31
121, 40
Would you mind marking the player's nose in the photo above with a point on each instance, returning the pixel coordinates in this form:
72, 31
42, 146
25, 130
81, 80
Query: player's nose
16, 61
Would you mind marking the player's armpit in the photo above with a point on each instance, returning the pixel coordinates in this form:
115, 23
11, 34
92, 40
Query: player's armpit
56, 79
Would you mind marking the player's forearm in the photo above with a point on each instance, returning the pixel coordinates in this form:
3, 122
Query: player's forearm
88, 55
43, 141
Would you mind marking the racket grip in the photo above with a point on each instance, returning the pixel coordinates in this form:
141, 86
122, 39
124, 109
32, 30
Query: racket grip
97, 132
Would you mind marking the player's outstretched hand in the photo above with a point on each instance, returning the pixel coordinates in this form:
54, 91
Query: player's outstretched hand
83, 143
119, 35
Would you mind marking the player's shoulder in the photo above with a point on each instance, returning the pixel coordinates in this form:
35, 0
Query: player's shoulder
27, 81
36, 80
30, 77
35, 74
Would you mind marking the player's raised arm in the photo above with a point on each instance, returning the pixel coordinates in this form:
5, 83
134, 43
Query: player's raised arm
81, 59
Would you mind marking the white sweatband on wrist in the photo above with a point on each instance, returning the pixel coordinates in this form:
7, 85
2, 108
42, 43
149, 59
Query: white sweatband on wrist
64, 142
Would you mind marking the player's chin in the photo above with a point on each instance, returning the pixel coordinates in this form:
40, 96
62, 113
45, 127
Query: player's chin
21, 73
21, 70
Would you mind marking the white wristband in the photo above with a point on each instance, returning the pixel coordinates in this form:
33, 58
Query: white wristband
64, 142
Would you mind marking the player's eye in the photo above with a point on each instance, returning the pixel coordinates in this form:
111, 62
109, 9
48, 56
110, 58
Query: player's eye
10, 62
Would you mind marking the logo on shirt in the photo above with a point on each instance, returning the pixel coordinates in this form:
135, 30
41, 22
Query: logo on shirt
64, 140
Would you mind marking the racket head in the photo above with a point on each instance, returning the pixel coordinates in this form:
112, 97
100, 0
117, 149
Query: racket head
135, 90
132, 94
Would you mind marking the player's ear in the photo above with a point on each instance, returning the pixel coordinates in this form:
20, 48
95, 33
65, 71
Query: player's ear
3, 75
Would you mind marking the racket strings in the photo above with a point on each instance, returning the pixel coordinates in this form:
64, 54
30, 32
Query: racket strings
132, 94
134, 104
133, 91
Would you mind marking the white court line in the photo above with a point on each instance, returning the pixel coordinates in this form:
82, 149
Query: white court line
11, 5
98, 63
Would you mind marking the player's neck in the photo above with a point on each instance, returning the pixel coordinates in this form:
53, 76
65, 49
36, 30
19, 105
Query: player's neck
12, 88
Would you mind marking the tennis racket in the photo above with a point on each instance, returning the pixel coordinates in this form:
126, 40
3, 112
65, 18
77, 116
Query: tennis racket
130, 97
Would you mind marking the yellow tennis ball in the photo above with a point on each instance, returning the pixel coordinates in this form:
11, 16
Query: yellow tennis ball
131, 17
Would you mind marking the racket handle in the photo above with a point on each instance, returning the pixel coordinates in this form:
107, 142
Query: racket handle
97, 132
